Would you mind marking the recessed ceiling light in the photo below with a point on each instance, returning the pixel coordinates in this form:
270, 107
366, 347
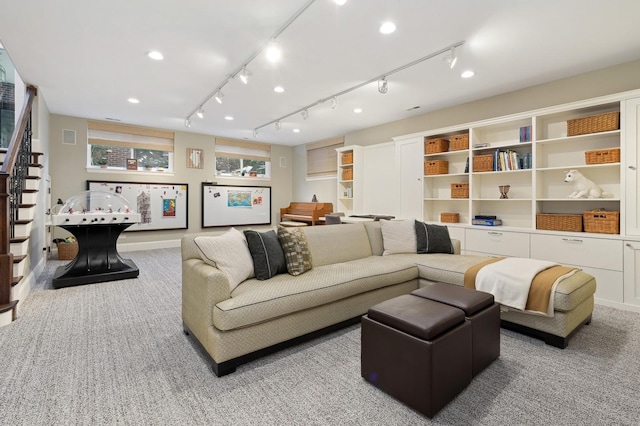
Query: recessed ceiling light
296, 130
357, 110
228, 118
273, 53
467, 74
154, 54
133, 100
278, 89
387, 28
340, 2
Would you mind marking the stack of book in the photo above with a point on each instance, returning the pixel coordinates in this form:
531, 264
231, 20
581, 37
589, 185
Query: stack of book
486, 220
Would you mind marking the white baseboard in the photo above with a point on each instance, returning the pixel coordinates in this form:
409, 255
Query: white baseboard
149, 245
617, 305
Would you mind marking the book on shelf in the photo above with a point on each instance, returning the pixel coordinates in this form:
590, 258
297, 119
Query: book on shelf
485, 216
487, 222
525, 134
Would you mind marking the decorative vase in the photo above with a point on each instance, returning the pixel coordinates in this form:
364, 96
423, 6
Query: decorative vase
504, 190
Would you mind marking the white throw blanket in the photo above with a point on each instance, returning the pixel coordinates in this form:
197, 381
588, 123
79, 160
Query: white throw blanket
509, 279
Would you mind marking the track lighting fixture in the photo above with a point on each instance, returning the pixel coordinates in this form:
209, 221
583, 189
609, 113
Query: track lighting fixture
255, 133
218, 96
334, 102
383, 85
305, 114
187, 122
451, 58
200, 113
278, 125
244, 75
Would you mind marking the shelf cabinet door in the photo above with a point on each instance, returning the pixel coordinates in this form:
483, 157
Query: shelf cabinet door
632, 273
497, 242
631, 172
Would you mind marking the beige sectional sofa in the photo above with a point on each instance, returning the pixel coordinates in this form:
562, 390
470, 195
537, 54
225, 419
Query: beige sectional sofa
349, 274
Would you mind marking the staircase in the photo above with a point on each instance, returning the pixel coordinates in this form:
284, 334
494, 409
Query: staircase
20, 172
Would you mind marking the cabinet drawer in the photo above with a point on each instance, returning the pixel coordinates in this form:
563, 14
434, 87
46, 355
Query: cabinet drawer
497, 242
580, 251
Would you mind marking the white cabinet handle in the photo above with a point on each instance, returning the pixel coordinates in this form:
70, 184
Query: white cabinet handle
572, 240
494, 233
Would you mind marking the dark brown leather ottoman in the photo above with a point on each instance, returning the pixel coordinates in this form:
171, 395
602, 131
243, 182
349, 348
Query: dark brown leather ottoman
480, 309
417, 350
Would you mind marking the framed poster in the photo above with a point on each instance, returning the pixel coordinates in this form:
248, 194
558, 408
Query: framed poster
232, 205
162, 206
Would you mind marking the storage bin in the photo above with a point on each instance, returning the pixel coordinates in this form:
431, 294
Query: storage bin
434, 146
460, 190
347, 157
483, 163
602, 222
559, 222
459, 142
436, 167
593, 124
449, 217
67, 251
600, 156
347, 174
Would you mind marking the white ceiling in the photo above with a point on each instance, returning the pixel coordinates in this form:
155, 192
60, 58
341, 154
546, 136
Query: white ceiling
88, 57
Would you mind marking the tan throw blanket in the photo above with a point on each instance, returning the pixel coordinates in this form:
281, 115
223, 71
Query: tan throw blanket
541, 292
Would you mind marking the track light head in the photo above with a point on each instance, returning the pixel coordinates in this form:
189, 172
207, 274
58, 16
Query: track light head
451, 58
200, 113
255, 133
218, 96
305, 114
187, 122
244, 75
278, 125
383, 85
334, 102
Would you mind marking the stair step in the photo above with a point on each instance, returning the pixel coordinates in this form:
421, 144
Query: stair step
18, 239
18, 259
8, 306
16, 280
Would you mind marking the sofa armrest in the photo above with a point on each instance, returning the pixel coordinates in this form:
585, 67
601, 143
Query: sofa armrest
203, 286
456, 246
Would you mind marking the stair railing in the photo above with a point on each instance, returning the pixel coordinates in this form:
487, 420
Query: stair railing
13, 172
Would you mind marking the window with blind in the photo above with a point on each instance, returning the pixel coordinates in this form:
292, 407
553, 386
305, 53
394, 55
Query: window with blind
322, 158
116, 146
241, 158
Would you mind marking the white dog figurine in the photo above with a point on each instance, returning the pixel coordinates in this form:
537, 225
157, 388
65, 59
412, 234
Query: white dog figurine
583, 187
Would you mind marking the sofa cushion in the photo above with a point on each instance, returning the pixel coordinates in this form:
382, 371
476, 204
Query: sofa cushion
229, 253
398, 236
323, 241
256, 301
296, 250
433, 238
266, 252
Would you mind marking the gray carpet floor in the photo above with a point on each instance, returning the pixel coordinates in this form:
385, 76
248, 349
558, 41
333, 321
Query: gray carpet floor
115, 353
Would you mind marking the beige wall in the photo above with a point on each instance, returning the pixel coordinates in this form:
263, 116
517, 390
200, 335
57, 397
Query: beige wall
69, 174
602, 82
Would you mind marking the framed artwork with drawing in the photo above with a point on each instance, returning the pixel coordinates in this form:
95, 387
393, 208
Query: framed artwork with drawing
195, 158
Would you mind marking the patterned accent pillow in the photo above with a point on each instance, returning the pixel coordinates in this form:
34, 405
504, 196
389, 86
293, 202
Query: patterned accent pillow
433, 238
398, 236
229, 253
267, 254
296, 250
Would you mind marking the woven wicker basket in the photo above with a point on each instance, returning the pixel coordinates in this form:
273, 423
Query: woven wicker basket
347, 174
460, 190
67, 251
559, 222
434, 146
436, 167
449, 217
600, 156
593, 124
459, 142
602, 222
483, 163
347, 157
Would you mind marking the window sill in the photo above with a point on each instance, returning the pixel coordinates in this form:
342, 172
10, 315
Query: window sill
129, 172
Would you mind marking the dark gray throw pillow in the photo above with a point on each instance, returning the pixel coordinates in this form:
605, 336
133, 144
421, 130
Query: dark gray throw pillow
433, 238
266, 252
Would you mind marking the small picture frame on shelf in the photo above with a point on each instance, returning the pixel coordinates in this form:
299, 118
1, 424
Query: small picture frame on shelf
132, 164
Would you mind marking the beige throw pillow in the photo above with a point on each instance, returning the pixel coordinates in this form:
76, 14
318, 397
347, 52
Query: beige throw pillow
399, 236
229, 253
296, 250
